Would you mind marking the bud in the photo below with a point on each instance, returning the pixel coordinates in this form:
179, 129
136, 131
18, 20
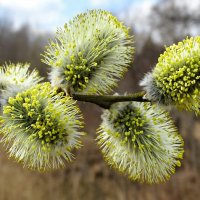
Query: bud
16, 78
175, 80
90, 54
140, 140
41, 127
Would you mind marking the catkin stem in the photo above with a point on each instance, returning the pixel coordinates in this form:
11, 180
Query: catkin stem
105, 101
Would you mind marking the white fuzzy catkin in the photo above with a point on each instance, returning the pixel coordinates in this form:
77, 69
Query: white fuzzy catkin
41, 127
140, 140
16, 78
90, 54
175, 80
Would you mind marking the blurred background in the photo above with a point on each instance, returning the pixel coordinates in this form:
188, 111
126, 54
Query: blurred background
26, 26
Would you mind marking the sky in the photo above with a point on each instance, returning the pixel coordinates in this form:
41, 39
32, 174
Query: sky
47, 15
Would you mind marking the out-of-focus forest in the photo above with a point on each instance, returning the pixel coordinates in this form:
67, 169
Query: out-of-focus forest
89, 177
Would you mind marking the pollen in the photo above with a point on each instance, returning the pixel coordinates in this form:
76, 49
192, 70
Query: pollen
90, 54
140, 140
46, 120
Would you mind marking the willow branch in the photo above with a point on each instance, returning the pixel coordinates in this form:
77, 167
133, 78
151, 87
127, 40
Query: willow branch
105, 101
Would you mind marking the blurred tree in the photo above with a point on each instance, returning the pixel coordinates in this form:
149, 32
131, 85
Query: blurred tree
172, 21
167, 22
21, 45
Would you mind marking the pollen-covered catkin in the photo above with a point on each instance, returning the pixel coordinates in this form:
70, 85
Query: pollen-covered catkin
90, 54
175, 80
41, 127
140, 140
16, 78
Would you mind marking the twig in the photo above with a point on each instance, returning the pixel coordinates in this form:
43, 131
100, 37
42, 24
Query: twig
105, 101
